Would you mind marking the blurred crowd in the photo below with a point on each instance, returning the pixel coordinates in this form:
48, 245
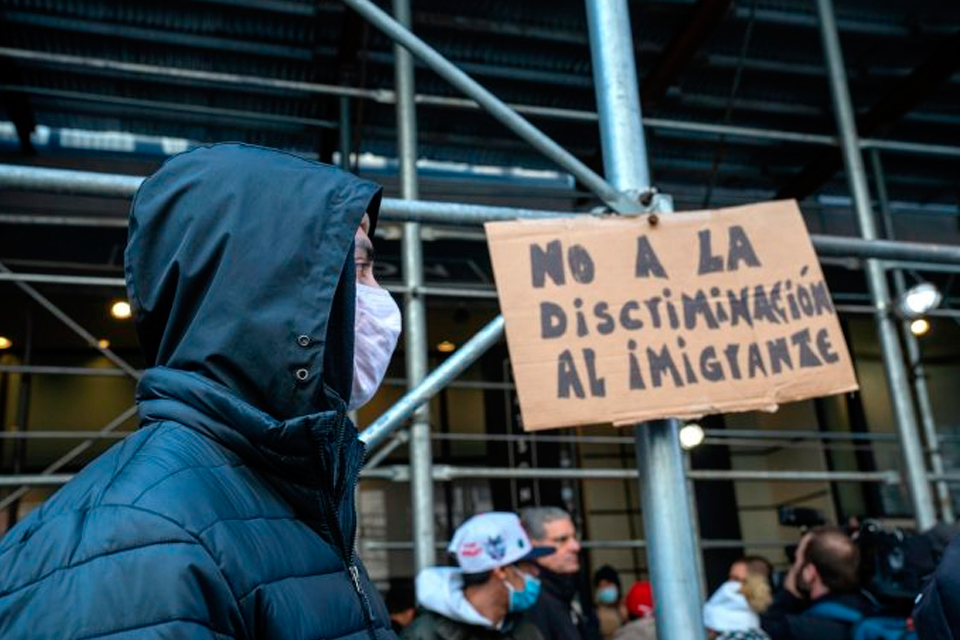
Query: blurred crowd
519, 576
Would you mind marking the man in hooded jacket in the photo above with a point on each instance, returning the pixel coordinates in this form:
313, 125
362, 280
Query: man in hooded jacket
230, 513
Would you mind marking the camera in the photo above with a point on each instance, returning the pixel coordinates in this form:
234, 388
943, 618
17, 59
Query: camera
800, 517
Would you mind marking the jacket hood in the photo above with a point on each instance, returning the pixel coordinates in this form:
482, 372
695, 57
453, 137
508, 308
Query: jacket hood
239, 268
440, 589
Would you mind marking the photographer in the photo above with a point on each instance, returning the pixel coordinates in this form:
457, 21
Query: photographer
824, 572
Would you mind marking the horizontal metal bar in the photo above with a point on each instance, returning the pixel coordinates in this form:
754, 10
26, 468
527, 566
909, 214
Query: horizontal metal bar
255, 118
62, 371
717, 434
49, 278
87, 183
885, 249
883, 477
63, 435
387, 96
397, 545
786, 434
740, 132
68, 221
952, 478
445, 473
868, 310
234, 79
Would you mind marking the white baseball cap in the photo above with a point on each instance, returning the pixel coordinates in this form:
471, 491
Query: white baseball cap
491, 540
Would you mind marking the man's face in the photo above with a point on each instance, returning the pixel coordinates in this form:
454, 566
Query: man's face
562, 535
363, 254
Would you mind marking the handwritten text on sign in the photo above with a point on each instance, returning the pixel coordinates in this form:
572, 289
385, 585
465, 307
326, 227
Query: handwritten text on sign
617, 320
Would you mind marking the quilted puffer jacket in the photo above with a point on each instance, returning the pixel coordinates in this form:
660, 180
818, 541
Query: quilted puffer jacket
937, 611
229, 514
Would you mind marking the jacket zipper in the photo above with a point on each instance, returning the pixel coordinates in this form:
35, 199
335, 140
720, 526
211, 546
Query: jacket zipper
345, 549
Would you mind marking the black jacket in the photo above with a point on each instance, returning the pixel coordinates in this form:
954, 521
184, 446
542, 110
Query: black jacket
785, 619
433, 626
937, 613
556, 614
230, 513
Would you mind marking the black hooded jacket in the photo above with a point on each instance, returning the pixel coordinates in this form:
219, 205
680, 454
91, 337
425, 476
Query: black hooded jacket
230, 513
558, 614
937, 612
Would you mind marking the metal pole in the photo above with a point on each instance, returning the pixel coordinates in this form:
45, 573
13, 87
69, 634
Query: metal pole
897, 379
392, 418
34, 481
494, 106
415, 318
695, 519
924, 405
667, 521
344, 131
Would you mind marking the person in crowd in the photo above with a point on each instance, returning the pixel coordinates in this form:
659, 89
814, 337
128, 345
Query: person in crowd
560, 614
936, 615
730, 615
606, 588
639, 606
482, 598
230, 513
825, 570
754, 574
401, 604
750, 564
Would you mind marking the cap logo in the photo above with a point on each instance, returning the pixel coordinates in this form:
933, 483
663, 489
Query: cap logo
496, 548
470, 549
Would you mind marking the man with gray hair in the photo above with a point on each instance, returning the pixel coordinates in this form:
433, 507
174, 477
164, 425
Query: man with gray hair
559, 613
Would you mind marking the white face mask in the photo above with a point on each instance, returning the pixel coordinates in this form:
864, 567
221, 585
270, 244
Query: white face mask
377, 329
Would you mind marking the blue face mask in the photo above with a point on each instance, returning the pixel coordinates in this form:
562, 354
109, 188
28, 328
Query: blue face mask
607, 595
525, 598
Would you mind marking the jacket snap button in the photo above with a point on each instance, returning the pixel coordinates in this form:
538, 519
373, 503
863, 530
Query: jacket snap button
301, 374
303, 341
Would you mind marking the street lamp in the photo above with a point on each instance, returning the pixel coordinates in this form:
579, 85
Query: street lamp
919, 300
691, 436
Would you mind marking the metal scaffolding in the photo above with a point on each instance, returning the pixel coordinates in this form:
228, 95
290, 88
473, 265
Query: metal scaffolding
626, 190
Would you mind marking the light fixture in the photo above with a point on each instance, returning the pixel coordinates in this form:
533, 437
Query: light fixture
691, 435
104, 343
5, 342
920, 326
919, 300
446, 347
120, 310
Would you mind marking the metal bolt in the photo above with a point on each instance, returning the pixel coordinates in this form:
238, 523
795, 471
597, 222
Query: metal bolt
301, 374
646, 198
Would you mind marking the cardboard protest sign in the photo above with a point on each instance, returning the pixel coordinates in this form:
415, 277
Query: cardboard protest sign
621, 320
